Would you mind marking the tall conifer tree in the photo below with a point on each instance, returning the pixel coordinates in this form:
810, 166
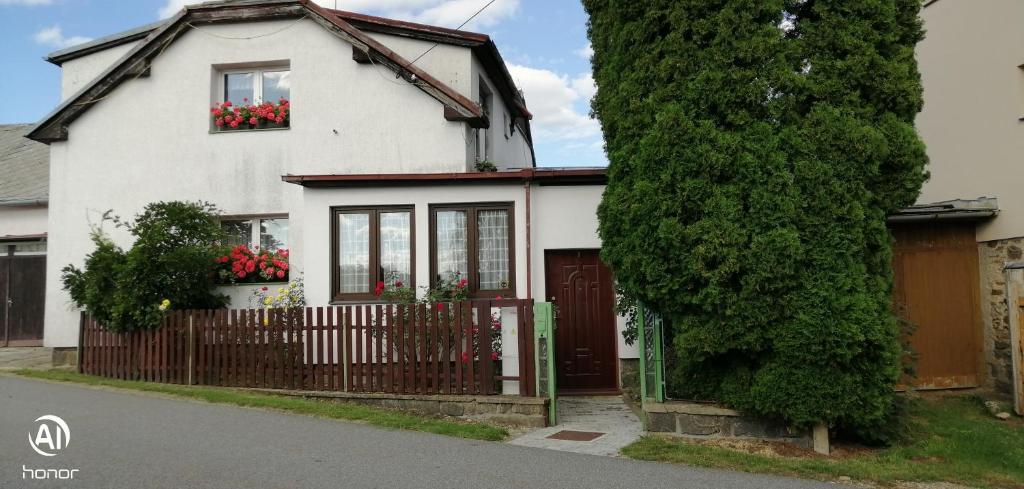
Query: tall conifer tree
755, 148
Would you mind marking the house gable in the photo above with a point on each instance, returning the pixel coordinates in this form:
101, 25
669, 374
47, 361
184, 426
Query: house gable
136, 64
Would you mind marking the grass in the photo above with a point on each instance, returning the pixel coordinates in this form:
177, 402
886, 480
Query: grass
955, 440
328, 409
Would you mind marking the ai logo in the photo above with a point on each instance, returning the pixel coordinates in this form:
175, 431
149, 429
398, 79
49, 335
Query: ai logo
51, 436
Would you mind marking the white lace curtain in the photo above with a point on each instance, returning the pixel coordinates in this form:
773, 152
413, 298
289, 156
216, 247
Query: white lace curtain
354, 251
395, 247
452, 254
492, 249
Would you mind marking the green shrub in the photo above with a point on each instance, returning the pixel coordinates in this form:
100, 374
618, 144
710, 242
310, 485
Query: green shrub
171, 264
755, 149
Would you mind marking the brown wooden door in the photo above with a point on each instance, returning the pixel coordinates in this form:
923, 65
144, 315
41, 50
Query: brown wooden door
581, 287
935, 271
23, 293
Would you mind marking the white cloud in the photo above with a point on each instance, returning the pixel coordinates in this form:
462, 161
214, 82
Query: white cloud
53, 37
553, 99
586, 51
445, 13
28, 3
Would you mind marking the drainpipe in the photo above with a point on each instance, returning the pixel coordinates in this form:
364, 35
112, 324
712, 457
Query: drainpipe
529, 244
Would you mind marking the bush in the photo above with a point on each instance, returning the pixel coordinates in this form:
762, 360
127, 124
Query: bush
755, 151
170, 265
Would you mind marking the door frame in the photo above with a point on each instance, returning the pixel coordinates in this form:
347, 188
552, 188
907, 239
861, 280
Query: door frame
617, 390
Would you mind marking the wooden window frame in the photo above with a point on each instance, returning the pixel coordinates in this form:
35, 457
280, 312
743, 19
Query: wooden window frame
375, 275
472, 258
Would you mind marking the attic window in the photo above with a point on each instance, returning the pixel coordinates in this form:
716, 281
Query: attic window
256, 86
251, 97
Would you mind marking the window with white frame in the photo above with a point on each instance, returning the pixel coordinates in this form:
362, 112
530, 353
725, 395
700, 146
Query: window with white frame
264, 233
255, 85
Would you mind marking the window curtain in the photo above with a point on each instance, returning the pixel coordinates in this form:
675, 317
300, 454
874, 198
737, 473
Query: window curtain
354, 252
396, 247
452, 249
492, 239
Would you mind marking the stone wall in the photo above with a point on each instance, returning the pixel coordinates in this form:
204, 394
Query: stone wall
629, 377
992, 258
528, 412
709, 421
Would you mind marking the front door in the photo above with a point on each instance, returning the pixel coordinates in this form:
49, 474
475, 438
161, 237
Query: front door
22, 295
580, 285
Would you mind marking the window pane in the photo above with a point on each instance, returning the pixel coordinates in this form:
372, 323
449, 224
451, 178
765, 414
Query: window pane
237, 232
354, 252
452, 255
238, 88
276, 86
492, 249
396, 246
273, 234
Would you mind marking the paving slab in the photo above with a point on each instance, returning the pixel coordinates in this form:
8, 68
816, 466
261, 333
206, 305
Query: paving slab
609, 416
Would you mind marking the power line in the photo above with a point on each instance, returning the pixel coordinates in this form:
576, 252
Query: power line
457, 28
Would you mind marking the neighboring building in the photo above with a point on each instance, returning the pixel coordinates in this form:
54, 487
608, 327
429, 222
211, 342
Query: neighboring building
952, 249
24, 185
377, 162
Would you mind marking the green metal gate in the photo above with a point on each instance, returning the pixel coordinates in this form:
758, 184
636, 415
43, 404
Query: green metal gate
544, 344
652, 366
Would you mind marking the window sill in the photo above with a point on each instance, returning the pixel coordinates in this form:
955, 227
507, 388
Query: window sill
257, 129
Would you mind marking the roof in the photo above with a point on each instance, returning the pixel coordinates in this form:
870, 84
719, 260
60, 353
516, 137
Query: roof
960, 209
54, 127
543, 176
24, 167
353, 24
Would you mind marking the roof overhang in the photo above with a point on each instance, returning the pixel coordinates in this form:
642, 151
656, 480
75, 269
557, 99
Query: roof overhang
960, 210
541, 176
24, 237
136, 63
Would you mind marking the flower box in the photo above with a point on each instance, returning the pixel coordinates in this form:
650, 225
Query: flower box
267, 115
240, 264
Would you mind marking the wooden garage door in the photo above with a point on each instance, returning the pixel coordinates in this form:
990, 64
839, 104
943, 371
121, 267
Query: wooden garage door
935, 268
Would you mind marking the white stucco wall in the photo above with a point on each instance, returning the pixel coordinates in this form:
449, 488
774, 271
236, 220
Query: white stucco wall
510, 152
22, 221
973, 99
150, 140
78, 72
565, 217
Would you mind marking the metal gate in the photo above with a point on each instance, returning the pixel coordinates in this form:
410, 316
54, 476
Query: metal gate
544, 336
652, 366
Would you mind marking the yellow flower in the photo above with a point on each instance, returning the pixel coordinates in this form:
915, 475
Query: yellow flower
165, 305
268, 300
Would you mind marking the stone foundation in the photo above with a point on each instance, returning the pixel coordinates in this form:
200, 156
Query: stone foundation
707, 421
992, 258
528, 412
629, 377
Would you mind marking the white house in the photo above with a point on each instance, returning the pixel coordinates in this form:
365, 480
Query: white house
374, 172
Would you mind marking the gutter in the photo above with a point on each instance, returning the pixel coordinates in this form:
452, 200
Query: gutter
935, 216
25, 203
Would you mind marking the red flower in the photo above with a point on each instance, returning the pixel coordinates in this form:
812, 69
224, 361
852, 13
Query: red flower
270, 270
465, 357
227, 103
219, 122
440, 306
250, 266
498, 298
494, 355
280, 274
398, 283
263, 265
252, 120
264, 289
463, 283
379, 289
234, 124
240, 274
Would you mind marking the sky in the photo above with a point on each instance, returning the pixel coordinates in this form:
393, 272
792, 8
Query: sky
544, 43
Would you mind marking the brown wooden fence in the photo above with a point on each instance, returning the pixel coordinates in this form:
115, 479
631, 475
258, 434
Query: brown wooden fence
386, 348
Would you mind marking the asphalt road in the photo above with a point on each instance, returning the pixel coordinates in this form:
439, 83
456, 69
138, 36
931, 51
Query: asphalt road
128, 440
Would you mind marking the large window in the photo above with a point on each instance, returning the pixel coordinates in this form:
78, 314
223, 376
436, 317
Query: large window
254, 85
265, 233
474, 241
370, 245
